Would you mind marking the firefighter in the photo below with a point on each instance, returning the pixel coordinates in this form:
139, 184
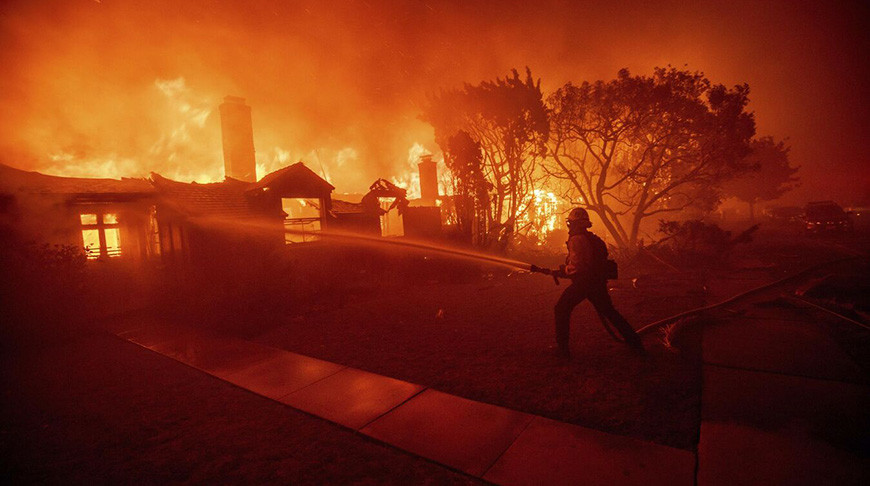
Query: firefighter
586, 266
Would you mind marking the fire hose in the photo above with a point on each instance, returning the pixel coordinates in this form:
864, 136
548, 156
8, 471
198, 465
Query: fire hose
691, 312
547, 271
560, 272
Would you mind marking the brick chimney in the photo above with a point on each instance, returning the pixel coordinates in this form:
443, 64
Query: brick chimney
428, 180
238, 139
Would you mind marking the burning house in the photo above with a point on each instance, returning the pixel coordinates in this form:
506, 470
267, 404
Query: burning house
158, 218
108, 217
177, 223
199, 222
387, 211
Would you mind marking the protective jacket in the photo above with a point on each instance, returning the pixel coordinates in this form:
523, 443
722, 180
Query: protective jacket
586, 256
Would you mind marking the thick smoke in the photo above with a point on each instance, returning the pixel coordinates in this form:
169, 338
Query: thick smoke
111, 88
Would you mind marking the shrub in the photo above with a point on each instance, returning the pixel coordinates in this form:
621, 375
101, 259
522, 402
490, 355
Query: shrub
693, 241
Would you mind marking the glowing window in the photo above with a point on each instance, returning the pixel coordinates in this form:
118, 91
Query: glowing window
153, 232
91, 239
113, 241
101, 235
303, 221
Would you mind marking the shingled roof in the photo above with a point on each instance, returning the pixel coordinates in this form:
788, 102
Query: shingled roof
14, 180
296, 179
226, 199
345, 207
229, 199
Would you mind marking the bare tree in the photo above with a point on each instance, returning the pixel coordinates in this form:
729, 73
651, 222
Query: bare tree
508, 119
638, 146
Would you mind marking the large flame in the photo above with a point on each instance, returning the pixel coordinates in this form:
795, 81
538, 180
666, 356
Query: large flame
409, 176
183, 141
78, 83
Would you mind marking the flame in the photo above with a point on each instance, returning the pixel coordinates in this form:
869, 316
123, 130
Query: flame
542, 214
547, 209
183, 139
180, 138
322, 161
68, 164
191, 113
409, 175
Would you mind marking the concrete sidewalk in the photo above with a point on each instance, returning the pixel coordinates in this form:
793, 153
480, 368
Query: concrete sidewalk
485, 441
782, 403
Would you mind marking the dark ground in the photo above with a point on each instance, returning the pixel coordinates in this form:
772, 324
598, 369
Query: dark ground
101, 410
89, 406
489, 340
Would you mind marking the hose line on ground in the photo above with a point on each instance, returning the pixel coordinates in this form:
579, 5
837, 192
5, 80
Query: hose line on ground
681, 315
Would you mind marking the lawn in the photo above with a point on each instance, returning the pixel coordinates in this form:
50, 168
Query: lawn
488, 339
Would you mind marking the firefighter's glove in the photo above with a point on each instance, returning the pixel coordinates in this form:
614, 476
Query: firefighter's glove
537, 269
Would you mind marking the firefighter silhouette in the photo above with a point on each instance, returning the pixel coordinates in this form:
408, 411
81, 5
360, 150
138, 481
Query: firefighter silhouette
588, 269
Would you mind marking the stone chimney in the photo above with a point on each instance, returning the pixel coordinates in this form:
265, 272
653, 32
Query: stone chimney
238, 140
428, 180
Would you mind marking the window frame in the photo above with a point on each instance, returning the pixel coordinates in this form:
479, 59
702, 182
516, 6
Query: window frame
100, 226
304, 222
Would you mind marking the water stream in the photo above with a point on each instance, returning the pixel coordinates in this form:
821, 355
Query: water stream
368, 240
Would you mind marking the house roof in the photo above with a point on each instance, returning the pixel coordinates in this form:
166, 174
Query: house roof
385, 188
235, 199
231, 198
228, 199
295, 180
14, 180
345, 207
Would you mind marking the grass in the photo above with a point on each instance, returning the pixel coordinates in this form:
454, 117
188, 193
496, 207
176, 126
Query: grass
490, 340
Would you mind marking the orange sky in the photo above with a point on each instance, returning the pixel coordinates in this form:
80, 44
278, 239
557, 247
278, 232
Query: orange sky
92, 88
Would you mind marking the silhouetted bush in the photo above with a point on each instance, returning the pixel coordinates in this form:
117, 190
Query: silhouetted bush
693, 242
41, 288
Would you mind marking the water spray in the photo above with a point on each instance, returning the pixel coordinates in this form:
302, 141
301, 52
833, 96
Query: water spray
444, 250
418, 245
256, 227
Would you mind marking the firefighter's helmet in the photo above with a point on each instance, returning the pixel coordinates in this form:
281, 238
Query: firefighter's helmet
579, 216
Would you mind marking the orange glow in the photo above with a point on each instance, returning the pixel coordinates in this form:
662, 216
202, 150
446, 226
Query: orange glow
101, 235
303, 220
114, 89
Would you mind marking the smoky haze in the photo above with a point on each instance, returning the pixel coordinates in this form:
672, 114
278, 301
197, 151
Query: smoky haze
124, 88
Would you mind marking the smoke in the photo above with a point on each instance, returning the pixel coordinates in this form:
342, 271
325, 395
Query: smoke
116, 87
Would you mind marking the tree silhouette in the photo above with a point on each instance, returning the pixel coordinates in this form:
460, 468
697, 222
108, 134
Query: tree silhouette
638, 146
508, 120
770, 177
464, 159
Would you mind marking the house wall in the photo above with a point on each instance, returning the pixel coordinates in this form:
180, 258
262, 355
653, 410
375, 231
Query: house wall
133, 224
423, 222
55, 220
364, 223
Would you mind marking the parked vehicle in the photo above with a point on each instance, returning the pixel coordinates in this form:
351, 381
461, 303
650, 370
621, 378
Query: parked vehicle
860, 216
826, 216
789, 216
